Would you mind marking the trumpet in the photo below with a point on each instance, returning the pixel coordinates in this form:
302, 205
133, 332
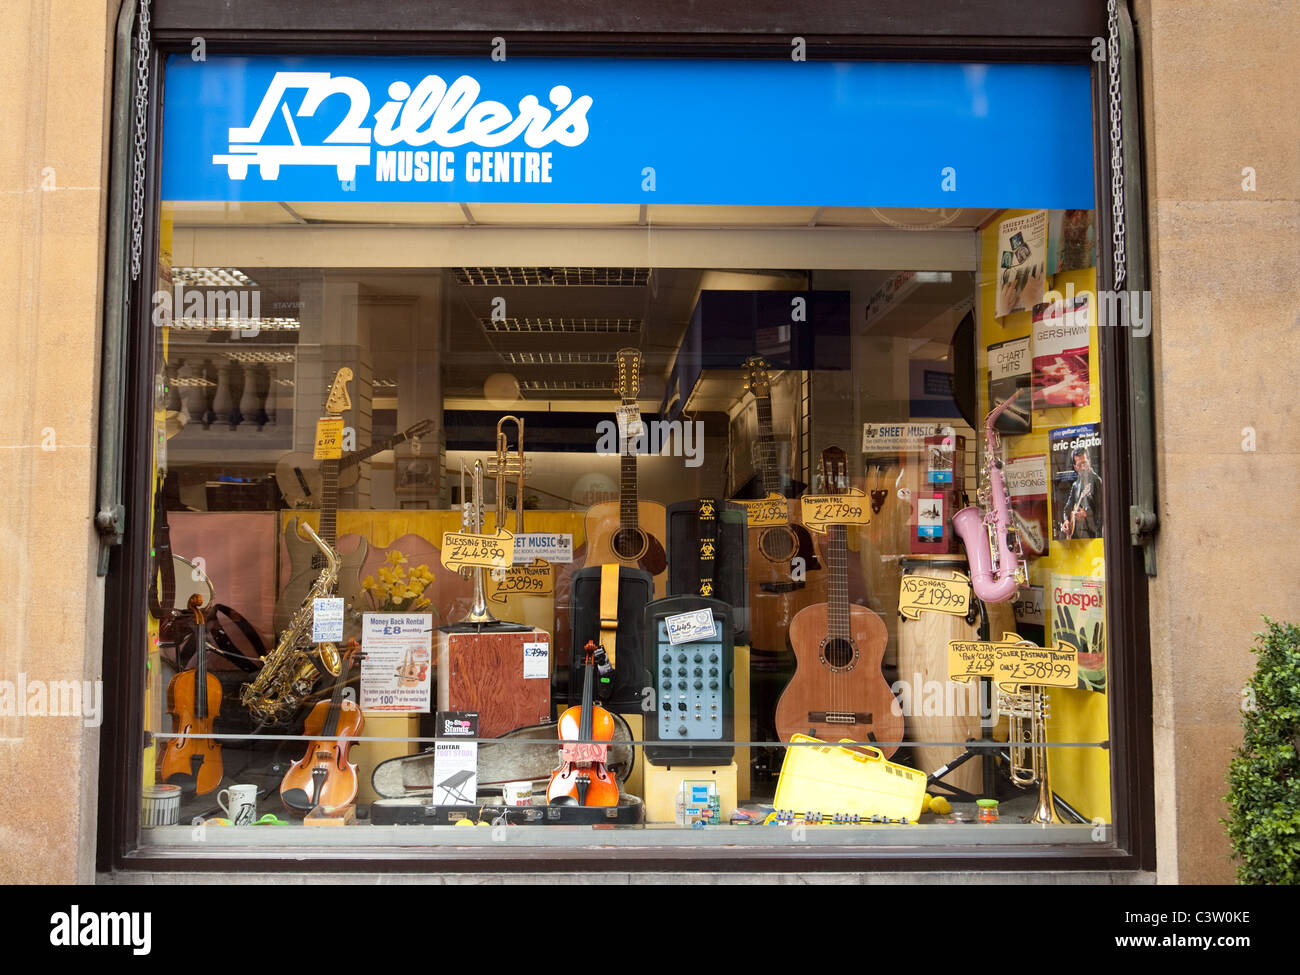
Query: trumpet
471, 518
1027, 708
505, 465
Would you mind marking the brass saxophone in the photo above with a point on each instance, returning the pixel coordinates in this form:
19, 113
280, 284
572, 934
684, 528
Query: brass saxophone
288, 672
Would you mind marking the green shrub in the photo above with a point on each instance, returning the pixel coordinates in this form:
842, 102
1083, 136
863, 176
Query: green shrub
1264, 778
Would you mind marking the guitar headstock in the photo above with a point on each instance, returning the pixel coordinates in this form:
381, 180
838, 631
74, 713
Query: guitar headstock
757, 380
629, 375
338, 401
834, 471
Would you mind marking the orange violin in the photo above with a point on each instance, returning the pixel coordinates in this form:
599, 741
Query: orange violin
194, 700
324, 776
583, 779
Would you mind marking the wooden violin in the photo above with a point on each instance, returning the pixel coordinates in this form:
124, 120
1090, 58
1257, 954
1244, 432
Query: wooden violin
583, 779
194, 700
324, 776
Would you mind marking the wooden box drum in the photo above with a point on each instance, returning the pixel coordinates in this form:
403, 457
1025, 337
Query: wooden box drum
939, 709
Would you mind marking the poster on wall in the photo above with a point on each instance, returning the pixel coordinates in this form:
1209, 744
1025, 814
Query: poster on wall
1008, 377
1076, 481
1071, 240
397, 669
1022, 262
1026, 481
1061, 368
1076, 611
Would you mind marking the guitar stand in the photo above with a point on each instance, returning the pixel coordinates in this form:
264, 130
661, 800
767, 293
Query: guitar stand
985, 746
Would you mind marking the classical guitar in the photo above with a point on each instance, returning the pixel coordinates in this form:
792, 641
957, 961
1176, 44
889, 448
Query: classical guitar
324, 776
629, 531
838, 690
305, 560
194, 699
300, 478
776, 590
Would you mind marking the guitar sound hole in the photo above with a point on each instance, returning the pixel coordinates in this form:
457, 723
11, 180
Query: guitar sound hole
629, 543
778, 544
838, 653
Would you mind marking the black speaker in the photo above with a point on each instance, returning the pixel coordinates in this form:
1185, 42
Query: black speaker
626, 688
730, 567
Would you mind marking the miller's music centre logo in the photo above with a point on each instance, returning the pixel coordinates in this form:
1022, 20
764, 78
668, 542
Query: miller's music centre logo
434, 112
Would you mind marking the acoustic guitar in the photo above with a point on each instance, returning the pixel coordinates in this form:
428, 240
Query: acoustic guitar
629, 531
305, 559
776, 591
838, 690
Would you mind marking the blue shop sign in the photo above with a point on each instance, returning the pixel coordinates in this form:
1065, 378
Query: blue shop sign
525, 130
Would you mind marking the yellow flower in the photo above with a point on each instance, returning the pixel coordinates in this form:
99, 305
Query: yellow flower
385, 574
420, 604
368, 583
396, 557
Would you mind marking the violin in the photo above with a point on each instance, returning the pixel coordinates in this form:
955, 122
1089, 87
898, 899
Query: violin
583, 779
324, 776
194, 700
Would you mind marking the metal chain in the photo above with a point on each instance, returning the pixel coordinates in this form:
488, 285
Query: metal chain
1118, 235
141, 137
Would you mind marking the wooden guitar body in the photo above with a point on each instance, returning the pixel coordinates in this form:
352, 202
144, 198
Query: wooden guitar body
774, 595
838, 690
303, 575
604, 541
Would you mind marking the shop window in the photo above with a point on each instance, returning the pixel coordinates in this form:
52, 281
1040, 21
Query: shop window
548, 513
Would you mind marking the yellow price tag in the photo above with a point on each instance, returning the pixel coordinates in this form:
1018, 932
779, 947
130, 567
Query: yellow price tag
462, 550
772, 510
1058, 667
329, 438
821, 510
537, 579
927, 594
1012, 661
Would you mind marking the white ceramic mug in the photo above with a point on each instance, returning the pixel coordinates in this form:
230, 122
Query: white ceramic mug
242, 810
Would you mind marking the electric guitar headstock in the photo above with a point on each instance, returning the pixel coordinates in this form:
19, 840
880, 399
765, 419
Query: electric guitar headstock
338, 402
757, 380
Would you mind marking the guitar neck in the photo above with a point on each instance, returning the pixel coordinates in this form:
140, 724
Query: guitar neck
627, 490
360, 455
329, 501
837, 585
766, 446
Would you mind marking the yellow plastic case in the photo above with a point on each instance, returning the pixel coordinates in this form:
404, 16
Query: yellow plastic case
833, 779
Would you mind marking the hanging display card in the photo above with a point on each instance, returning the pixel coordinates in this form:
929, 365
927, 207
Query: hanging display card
1022, 262
1008, 376
1077, 616
1026, 481
397, 669
1061, 370
1076, 481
